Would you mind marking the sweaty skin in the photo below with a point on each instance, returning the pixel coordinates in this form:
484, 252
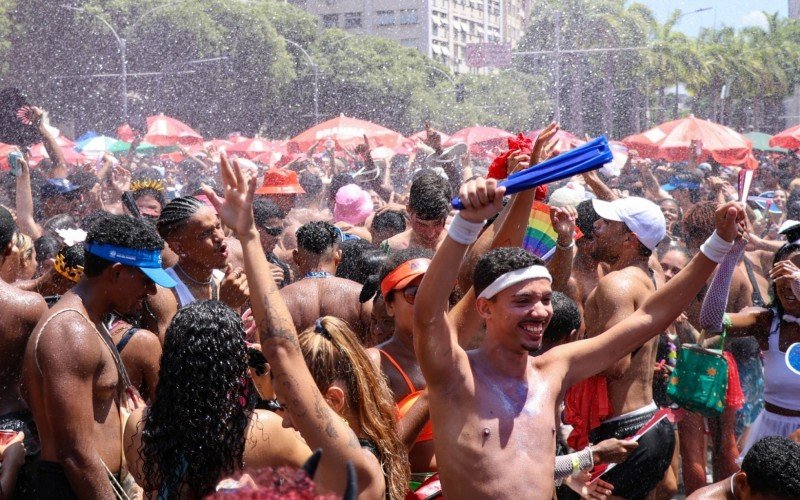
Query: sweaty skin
141, 357
494, 408
20, 311
312, 298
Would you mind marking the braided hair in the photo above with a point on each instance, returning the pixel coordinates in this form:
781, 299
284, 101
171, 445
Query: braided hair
176, 213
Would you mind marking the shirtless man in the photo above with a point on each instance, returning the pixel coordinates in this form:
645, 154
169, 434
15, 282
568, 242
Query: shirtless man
585, 274
70, 371
395, 358
21, 312
318, 292
494, 409
624, 238
428, 206
193, 231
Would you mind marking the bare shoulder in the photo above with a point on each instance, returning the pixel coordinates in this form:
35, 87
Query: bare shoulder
716, 491
147, 341
28, 306
68, 342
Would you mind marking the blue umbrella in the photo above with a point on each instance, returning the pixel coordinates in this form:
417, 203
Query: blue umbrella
589, 156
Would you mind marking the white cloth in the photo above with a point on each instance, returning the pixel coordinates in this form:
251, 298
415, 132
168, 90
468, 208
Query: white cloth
769, 424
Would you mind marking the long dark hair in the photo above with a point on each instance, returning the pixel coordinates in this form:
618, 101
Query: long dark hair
783, 253
194, 433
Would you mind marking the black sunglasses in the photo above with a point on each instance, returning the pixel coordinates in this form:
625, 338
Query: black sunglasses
273, 231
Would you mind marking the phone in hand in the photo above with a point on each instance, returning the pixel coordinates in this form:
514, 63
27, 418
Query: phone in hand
15, 162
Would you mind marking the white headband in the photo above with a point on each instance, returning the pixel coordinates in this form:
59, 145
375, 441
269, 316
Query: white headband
511, 278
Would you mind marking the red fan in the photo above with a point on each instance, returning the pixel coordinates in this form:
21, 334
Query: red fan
26, 115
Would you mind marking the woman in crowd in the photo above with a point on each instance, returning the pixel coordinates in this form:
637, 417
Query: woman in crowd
332, 394
202, 425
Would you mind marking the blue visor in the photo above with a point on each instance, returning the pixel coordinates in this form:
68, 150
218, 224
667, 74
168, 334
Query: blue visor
148, 261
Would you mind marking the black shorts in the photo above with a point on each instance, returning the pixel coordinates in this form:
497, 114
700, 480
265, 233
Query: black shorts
645, 467
50, 481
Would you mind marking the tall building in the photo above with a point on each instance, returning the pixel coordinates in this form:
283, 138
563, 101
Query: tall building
439, 28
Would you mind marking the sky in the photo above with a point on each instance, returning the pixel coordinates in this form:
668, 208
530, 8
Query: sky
736, 13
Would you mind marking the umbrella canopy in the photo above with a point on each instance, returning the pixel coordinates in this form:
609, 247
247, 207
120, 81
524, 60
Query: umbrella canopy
167, 131
761, 140
672, 141
480, 139
564, 140
250, 148
348, 132
789, 138
100, 144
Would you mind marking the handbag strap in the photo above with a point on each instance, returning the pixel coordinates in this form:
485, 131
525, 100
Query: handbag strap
726, 323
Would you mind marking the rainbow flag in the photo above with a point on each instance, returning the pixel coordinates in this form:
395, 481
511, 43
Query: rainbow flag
540, 236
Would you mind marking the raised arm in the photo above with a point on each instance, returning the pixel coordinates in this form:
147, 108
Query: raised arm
50, 145
25, 220
588, 357
598, 187
435, 338
309, 412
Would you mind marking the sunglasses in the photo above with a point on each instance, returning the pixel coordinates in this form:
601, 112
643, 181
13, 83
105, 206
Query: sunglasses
410, 294
273, 231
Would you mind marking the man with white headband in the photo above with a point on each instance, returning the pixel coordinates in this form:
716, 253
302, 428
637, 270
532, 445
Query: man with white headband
494, 408
625, 237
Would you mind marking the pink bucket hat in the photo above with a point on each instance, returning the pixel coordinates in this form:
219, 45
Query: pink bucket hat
353, 205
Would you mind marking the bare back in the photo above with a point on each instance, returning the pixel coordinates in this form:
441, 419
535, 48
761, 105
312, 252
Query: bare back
495, 435
617, 296
312, 298
20, 312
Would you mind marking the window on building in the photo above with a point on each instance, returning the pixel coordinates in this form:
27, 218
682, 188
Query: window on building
408, 16
384, 18
352, 20
435, 29
330, 20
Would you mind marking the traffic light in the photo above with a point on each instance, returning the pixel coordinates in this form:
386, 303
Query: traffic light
460, 90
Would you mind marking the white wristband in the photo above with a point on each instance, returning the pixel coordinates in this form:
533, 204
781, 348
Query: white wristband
715, 248
463, 231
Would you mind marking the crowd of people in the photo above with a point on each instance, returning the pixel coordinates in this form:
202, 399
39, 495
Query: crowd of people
330, 327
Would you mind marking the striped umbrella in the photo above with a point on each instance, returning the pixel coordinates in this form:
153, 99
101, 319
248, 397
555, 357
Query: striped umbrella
167, 131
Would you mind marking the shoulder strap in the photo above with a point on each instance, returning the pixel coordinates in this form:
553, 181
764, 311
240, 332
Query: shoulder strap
44, 325
126, 337
402, 372
757, 298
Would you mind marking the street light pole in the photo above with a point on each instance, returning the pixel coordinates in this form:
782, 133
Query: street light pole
122, 47
315, 71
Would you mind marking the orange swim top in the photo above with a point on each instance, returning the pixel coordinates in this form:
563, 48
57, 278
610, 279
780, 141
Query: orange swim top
407, 402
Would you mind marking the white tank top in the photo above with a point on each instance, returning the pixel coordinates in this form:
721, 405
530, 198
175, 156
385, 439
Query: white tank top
781, 385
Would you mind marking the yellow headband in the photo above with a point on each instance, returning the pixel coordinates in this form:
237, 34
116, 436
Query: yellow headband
73, 274
140, 184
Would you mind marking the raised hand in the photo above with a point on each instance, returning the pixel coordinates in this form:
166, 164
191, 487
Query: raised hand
236, 209
233, 290
563, 220
482, 199
518, 162
120, 179
544, 144
727, 220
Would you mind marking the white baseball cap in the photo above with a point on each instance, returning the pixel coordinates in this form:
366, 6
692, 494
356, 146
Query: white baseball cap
643, 218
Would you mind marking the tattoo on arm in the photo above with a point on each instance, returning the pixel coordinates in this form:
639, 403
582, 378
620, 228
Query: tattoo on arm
324, 414
289, 385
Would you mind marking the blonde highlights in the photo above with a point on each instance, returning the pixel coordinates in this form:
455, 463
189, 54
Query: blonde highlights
333, 352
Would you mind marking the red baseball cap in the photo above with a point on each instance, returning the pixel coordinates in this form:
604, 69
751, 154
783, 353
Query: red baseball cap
280, 181
404, 274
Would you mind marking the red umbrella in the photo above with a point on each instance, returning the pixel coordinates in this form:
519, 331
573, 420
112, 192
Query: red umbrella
480, 139
789, 138
672, 141
125, 133
250, 148
348, 132
564, 140
166, 131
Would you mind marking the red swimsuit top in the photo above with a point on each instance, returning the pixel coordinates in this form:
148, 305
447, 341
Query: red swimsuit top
407, 402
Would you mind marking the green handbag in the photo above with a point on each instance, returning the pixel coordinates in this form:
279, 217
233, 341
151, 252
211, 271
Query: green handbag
699, 381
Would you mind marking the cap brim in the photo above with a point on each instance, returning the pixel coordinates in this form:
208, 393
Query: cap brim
788, 225
605, 210
159, 276
407, 280
668, 187
280, 190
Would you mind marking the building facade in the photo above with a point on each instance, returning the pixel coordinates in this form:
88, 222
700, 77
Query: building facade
441, 29
791, 106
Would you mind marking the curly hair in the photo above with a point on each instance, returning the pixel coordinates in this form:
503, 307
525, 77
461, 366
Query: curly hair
772, 466
122, 231
498, 262
7, 228
317, 237
698, 223
784, 253
334, 353
194, 433
360, 259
